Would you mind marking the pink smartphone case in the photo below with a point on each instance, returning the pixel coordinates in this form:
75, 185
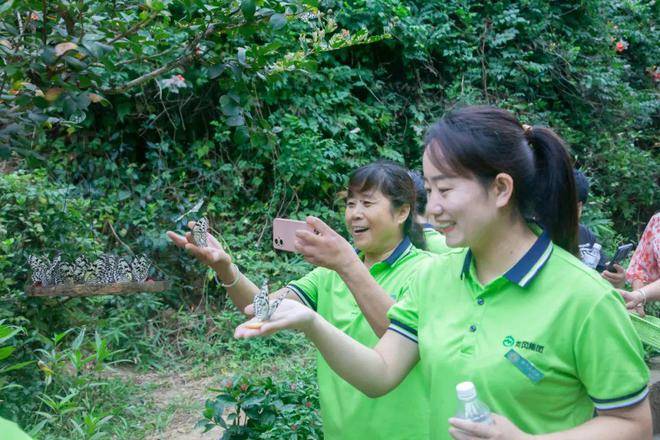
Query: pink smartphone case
284, 233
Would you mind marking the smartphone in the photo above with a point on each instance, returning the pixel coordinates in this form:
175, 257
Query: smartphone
620, 255
284, 233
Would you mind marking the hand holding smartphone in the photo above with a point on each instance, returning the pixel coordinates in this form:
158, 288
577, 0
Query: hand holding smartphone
620, 255
284, 233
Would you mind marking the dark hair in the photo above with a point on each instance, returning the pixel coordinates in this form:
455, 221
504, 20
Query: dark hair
420, 192
396, 184
484, 141
581, 186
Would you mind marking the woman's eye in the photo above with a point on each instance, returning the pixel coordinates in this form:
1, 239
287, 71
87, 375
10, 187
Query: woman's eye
350, 204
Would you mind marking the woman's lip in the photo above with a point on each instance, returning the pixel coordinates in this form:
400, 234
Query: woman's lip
446, 229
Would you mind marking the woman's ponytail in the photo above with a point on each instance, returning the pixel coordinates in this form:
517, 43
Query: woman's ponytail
556, 197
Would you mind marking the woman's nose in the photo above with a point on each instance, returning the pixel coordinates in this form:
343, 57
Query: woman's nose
434, 207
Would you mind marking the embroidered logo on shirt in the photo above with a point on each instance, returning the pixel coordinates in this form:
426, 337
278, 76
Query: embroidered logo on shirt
509, 341
526, 367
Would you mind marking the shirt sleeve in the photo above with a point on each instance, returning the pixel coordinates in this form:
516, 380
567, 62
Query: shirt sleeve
307, 288
643, 264
404, 315
607, 337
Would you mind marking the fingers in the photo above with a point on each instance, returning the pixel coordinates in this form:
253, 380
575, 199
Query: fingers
213, 241
243, 331
205, 255
250, 330
318, 224
469, 430
191, 224
306, 242
177, 239
457, 434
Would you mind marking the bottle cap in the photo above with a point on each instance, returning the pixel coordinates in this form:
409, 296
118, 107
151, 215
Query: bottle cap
466, 391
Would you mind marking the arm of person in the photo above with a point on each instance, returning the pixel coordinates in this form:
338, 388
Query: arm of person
641, 294
240, 289
630, 423
374, 371
329, 249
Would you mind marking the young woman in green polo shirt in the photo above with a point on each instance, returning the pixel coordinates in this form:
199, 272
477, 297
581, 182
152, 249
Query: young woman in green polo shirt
380, 205
545, 339
435, 241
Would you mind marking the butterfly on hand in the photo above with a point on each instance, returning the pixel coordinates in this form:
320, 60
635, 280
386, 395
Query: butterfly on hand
263, 308
200, 231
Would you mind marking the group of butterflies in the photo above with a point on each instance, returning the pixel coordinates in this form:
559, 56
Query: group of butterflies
263, 308
107, 269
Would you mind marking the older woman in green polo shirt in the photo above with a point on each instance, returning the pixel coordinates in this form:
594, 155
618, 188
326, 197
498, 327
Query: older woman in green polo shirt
545, 340
380, 205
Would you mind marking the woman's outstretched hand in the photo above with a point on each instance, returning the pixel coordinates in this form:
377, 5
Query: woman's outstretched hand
327, 248
289, 315
213, 255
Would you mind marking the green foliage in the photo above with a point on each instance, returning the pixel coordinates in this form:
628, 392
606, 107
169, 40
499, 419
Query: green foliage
7, 332
265, 409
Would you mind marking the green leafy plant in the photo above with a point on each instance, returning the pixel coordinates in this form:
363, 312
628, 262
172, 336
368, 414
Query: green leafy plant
264, 408
7, 332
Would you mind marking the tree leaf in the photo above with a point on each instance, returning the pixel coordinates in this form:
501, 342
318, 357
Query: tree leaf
5, 352
248, 7
277, 21
242, 57
53, 93
15, 367
62, 48
229, 106
6, 6
236, 121
216, 71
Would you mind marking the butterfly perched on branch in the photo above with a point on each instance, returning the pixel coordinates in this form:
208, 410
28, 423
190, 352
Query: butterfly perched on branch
106, 269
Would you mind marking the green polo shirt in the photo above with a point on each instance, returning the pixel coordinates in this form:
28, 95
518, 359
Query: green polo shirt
11, 431
545, 344
435, 241
347, 413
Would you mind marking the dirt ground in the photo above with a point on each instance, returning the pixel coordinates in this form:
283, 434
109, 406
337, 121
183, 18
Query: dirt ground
178, 397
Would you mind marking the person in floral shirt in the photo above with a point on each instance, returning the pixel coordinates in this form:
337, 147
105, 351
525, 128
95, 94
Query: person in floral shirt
644, 270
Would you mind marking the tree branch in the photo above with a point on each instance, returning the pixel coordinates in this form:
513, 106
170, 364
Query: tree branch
134, 29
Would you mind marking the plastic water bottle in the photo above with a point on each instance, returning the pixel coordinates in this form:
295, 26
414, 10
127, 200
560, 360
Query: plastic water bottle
592, 257
469, 407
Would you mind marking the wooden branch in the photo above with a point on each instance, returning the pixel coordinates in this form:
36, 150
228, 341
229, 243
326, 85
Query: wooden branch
97, 289
119, 239
187, 56
134, 29
151, 75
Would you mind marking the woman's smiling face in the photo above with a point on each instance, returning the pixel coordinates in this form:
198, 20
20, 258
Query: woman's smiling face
461, 208
371, 221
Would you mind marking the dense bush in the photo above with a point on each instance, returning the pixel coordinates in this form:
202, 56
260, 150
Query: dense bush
265, 409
